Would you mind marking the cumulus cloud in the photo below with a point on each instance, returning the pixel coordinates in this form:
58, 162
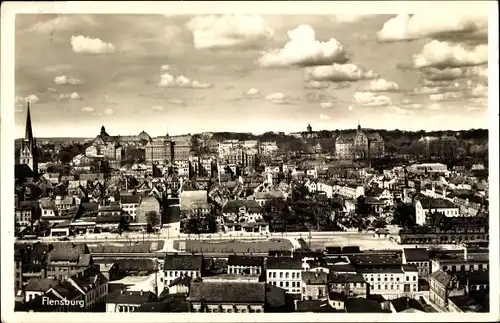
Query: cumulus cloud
109, 112
168, 80
70, 96
339, 73
320, 96
278, 98
30, 98
252, 93
448, 96
443, 54
327, 105
165, 68
87, 45
157, 108
381, 85
316, 85
63, 79
88, 109
304, 50
368, 99
406, 27
324, 117
228, 30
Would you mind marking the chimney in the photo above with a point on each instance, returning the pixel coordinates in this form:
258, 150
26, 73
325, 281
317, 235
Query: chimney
142, 292
122, 291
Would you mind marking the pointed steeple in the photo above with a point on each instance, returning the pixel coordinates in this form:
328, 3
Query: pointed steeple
359, 126
28, 136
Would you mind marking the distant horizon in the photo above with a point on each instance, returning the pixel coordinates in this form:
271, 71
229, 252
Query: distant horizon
253, 133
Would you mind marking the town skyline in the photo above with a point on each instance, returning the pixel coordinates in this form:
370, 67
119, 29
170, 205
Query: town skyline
250, 73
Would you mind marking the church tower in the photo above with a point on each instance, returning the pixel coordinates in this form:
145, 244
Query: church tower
28, 154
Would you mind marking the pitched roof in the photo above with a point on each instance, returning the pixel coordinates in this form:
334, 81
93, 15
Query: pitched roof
432, 203
234, 205
41, 284
416, 254
362, 305
183, 262
215, 292
314, 278
284, 263
130, 297
442, 277
236, 260
130, 199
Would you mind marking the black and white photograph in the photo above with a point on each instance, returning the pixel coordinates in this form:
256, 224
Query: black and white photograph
280, 161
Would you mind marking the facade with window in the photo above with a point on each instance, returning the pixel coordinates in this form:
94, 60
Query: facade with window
314, 285
391, 281
245, 265
182, 265
286, 273
347, 284
129, 204
221, 297
23, 216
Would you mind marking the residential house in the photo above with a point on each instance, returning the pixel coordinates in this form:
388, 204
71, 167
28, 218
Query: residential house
182, 265
314, 285
419, 257
391, 281
245, 265
195, 203
126, 301
441, 287
426, 205
286, 273
215, 297
263, 197
23, 215
350, 284
148, 206
129, 204
93, 286
38, 286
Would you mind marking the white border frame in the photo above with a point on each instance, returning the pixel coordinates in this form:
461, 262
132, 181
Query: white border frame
9, 9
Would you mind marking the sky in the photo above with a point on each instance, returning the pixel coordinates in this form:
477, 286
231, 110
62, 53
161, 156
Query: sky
249, 73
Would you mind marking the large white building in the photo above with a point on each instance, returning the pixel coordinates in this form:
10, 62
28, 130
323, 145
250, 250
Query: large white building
391, 281
428, 205
286, 273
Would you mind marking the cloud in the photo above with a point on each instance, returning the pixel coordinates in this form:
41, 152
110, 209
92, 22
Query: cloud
435, 107
453, 73
448, 96
399, 111
304, 50
381, 85
444, 54
88, 109
70, 96
278, 98
348, 18
62, 22
327, 105
165, 68
63, 79
168, 80
87, 45
470, 108
406, 27
324, 117
109, 112
316, 85
338, 73
252, 93
368, 99
320, 96
176, 101
479, 91
51, 89
157, 108
30, 98
228, 30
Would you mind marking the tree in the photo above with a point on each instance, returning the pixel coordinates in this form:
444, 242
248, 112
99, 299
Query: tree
65, 157
123, 225
404, 215
152, 220
361, 207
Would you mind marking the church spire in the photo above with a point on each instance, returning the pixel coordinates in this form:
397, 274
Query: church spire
359, 126
28, 136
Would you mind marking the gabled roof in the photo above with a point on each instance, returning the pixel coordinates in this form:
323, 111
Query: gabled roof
284, 263
236, 260
215, 292
442, 277
183, 262
416, 254
40, 284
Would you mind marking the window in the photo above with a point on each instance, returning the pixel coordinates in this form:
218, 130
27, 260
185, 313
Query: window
414, 278
378, 279
281, 274
385, 279
293, 275
407, 278
274, 274
281, 284
286, 275
287, 284
293, 284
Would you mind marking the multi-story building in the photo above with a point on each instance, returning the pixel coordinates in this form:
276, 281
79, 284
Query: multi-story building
216, 297
469, 205
182, 265
314, 285
182, 148
126, 301
160, 150
442, 286
286, 273
461, 261
418, 257
391, 281
361, 144
348, 284
245, 265
268, 148
129, 204
425, 205
23, 215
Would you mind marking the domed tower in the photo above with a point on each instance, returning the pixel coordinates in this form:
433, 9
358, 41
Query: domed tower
309, 128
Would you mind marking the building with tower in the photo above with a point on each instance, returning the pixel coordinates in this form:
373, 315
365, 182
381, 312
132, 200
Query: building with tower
160, 150
28, 153
359, 145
